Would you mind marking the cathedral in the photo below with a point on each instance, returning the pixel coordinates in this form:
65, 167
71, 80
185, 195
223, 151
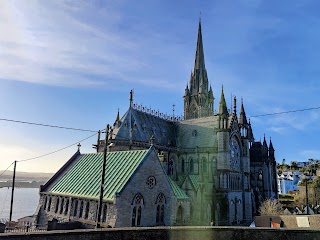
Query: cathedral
202, 169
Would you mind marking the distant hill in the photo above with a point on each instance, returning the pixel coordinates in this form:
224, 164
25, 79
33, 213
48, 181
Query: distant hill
26, 176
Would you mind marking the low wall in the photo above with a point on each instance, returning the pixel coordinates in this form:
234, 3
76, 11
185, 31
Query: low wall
172, 233
289, 221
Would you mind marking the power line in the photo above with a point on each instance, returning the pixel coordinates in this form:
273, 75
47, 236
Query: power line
46, 125
6, 169
285, 112
28, 159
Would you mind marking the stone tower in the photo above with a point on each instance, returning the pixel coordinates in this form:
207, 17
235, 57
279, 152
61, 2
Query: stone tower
198, 99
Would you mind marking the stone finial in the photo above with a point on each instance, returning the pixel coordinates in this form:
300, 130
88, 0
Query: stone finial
131, 97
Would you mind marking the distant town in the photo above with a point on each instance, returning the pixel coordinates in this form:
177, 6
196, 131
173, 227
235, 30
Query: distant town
24, 179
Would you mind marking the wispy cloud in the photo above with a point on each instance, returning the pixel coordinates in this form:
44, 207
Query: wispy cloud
307, 154
54, 43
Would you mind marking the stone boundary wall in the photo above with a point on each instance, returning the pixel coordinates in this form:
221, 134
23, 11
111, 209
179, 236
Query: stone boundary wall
172, 233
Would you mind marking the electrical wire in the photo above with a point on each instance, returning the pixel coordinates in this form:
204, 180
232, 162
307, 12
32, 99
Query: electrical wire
285, 112
6, 169
46, 125
29, 159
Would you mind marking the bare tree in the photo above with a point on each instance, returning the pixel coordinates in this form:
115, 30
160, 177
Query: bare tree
270, 207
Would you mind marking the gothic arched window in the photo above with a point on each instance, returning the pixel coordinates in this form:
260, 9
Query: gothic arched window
179, 215
161, 200
49, 204
57, 205
81, 209
61, 206
171, 166
182, 165
86, 214
75, 207
137, 204
191, 166
45, 203
66, 208
204, 166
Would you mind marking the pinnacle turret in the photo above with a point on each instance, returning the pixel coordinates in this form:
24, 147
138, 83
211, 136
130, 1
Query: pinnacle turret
270, 145
242, 118
222, 104
117, 121
271, 151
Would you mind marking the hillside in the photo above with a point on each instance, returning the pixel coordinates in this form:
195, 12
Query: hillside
25, 176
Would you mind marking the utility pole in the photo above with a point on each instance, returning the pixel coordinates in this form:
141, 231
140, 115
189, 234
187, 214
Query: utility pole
12, 190
307, 199
102, 176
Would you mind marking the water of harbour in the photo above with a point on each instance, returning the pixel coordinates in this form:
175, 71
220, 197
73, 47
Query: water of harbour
24, 204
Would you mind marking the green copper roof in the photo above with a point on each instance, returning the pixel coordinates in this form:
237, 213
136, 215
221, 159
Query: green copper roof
177, 190
181, 179
83, 178
194, 181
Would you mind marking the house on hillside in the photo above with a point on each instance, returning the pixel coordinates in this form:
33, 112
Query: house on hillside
288, 181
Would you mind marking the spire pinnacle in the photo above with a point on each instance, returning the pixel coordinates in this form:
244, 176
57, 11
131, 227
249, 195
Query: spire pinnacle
118, 116
131, 98
271, 145
117, 121
199, 58
243, 117
264, 140
222, 104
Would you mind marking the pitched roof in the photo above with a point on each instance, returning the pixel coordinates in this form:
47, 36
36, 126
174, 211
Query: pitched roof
194, 181
197, 132
144, 126
83, 178
178, 192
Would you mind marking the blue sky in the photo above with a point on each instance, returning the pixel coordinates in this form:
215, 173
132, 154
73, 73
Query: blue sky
73, 63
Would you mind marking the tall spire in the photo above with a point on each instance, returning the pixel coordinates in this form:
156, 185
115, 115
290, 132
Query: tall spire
199, 58
200, 101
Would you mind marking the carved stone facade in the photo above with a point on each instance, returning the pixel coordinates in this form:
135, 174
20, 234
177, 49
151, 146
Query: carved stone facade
207, 153
210, 159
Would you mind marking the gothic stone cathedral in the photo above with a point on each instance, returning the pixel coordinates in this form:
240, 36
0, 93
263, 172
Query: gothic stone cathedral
205, 169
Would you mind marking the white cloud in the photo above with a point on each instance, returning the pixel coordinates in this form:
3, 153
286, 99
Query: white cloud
55, 45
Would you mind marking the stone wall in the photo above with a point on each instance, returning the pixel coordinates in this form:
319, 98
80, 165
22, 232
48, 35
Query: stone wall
289, 221
172, 233
138, 184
